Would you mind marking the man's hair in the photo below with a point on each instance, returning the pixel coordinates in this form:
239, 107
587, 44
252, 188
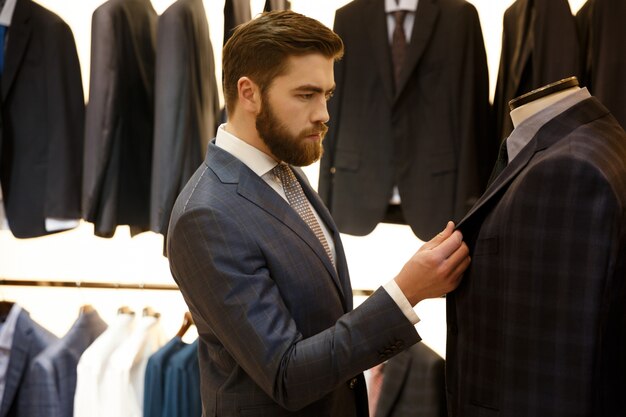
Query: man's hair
260, 48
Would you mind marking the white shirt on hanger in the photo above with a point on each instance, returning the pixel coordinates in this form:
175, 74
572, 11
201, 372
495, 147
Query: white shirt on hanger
123, 381
93, 362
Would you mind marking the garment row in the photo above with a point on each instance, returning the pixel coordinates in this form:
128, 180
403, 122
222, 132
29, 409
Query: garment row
425, 152
126, 368
152, 87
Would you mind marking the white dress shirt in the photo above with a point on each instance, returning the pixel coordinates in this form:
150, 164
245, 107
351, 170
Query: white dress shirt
88, 399
7, 331
123, 381
261, 164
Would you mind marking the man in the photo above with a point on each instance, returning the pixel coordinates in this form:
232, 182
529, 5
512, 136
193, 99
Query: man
269, 292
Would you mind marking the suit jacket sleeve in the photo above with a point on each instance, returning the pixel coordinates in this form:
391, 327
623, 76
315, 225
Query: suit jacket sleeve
230, 290
66, 110
45, 398
101, 108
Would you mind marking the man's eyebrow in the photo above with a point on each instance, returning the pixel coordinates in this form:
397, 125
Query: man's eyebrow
314, 89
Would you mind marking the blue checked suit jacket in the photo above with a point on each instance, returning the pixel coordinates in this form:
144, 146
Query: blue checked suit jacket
28, 341
53, 371
537, 326
277, 332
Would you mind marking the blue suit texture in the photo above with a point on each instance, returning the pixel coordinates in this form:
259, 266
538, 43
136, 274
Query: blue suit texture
277, 332
53, 372
182, 384
154, 386
28, 341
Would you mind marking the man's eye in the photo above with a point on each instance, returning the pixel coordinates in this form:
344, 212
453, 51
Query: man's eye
306, 96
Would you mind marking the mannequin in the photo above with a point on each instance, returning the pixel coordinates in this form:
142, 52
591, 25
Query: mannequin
531, 103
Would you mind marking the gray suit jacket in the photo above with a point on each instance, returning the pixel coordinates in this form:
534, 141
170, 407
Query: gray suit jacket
186, 104
428, 135
536, 327
413, 385
278, 335
28, 341
53, 371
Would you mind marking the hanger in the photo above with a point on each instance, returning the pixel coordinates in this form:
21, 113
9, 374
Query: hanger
125, 310
150, 312
187, 322
86, 308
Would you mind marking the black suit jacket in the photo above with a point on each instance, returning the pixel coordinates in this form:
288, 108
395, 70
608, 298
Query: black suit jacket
601, 23
43, 112
272, 5
539, 46
186, 104
536, 327
236, 12
120, 116
428, 136
413, 385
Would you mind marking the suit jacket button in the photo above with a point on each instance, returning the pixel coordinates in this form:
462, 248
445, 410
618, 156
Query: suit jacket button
353, 383
333, 170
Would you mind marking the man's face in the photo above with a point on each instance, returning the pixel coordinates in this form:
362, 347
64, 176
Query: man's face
292, 119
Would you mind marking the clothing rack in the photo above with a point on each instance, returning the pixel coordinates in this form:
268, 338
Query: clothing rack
112, 285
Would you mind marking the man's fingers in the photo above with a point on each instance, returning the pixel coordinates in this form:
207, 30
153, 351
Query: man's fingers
440, 237
450, 245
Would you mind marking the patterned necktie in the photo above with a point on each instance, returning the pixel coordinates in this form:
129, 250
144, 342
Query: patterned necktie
374, 387
398, 45
501, 163
298, 201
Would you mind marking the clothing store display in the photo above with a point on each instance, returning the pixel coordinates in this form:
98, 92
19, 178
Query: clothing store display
539, 46
427, 135
601, 25
298, 201
27, 341
182, 383
536, 326
53, 371
186, 104
120, 117
41, 143
236, 12
89, 399
414, 385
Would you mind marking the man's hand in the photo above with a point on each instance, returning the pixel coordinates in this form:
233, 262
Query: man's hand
436, 268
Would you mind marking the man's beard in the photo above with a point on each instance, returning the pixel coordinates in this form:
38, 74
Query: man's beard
294, 150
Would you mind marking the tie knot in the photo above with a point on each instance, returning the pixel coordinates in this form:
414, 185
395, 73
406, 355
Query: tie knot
284, 174
399, 15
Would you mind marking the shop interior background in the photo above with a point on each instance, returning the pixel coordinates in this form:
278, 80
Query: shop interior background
80, 256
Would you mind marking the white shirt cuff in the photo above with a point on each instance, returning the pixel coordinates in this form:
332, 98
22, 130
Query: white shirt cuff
400, 299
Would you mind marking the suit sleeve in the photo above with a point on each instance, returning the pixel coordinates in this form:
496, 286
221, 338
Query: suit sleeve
44, 398
563, 234
66, 107
172, 117
228, 285
101, 111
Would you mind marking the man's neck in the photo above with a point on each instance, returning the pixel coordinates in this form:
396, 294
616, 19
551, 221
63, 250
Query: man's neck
246, 131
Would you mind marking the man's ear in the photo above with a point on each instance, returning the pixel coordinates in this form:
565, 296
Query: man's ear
249, 95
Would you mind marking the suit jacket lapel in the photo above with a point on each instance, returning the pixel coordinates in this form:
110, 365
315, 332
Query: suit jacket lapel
377, 21
17, 362
18, 37
254, 189
423, 27
395, 374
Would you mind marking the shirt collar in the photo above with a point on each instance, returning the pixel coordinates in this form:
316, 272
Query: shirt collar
7, 331
7, 13
391, 6
526, 130
259, 162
